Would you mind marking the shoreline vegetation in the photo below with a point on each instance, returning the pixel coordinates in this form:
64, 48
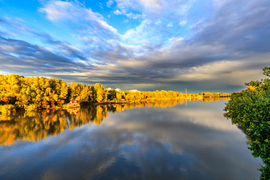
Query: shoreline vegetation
19, 93
250, 111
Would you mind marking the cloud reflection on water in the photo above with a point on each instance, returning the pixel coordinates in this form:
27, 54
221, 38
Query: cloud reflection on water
140, 143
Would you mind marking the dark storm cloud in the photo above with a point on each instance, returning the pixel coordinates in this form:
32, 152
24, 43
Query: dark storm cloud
45, 37
25, 50
239, 25
20, 53
238, 30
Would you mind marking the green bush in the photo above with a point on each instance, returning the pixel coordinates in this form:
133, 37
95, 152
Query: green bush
249, 109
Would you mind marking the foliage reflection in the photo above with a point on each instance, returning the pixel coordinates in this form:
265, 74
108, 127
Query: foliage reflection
35, 126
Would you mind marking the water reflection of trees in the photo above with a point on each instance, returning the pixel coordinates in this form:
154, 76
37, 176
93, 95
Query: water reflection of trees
32, 126
35, 126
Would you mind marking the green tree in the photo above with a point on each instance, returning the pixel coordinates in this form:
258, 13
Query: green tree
249, 109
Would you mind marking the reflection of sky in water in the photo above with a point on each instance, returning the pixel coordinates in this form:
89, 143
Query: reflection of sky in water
193, 142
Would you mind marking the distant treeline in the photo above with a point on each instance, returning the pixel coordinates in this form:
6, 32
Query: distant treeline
31, 93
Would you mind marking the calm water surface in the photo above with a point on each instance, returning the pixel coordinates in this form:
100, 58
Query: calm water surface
166, 140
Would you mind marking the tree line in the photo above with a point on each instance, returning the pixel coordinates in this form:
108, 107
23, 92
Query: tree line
31, 93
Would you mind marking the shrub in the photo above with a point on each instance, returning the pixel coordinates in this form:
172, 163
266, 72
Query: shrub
249, 109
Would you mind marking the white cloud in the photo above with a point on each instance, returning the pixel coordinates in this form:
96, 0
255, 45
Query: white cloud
155, 8
182, 23
59, 11
137, 34
126, 21
175, 39
170, 24
117, 12
109, 3
151, 4
100, 5
158, 22
134, 16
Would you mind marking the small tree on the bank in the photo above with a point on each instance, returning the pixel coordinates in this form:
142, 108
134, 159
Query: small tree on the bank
250, 109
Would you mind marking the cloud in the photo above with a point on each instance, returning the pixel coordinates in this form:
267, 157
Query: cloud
19, 55
155, 8
109, 3
148, 31
182, 23
80, 18
134, 16
170, 24
219, 3
117, 12
158, 22
59, 10
189, 45
247, 26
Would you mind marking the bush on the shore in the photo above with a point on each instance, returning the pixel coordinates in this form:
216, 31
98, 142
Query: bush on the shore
250, 109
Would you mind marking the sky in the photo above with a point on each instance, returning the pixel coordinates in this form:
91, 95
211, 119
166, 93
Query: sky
198, 45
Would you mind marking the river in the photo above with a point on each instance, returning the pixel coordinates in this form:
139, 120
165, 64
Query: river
162, 140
